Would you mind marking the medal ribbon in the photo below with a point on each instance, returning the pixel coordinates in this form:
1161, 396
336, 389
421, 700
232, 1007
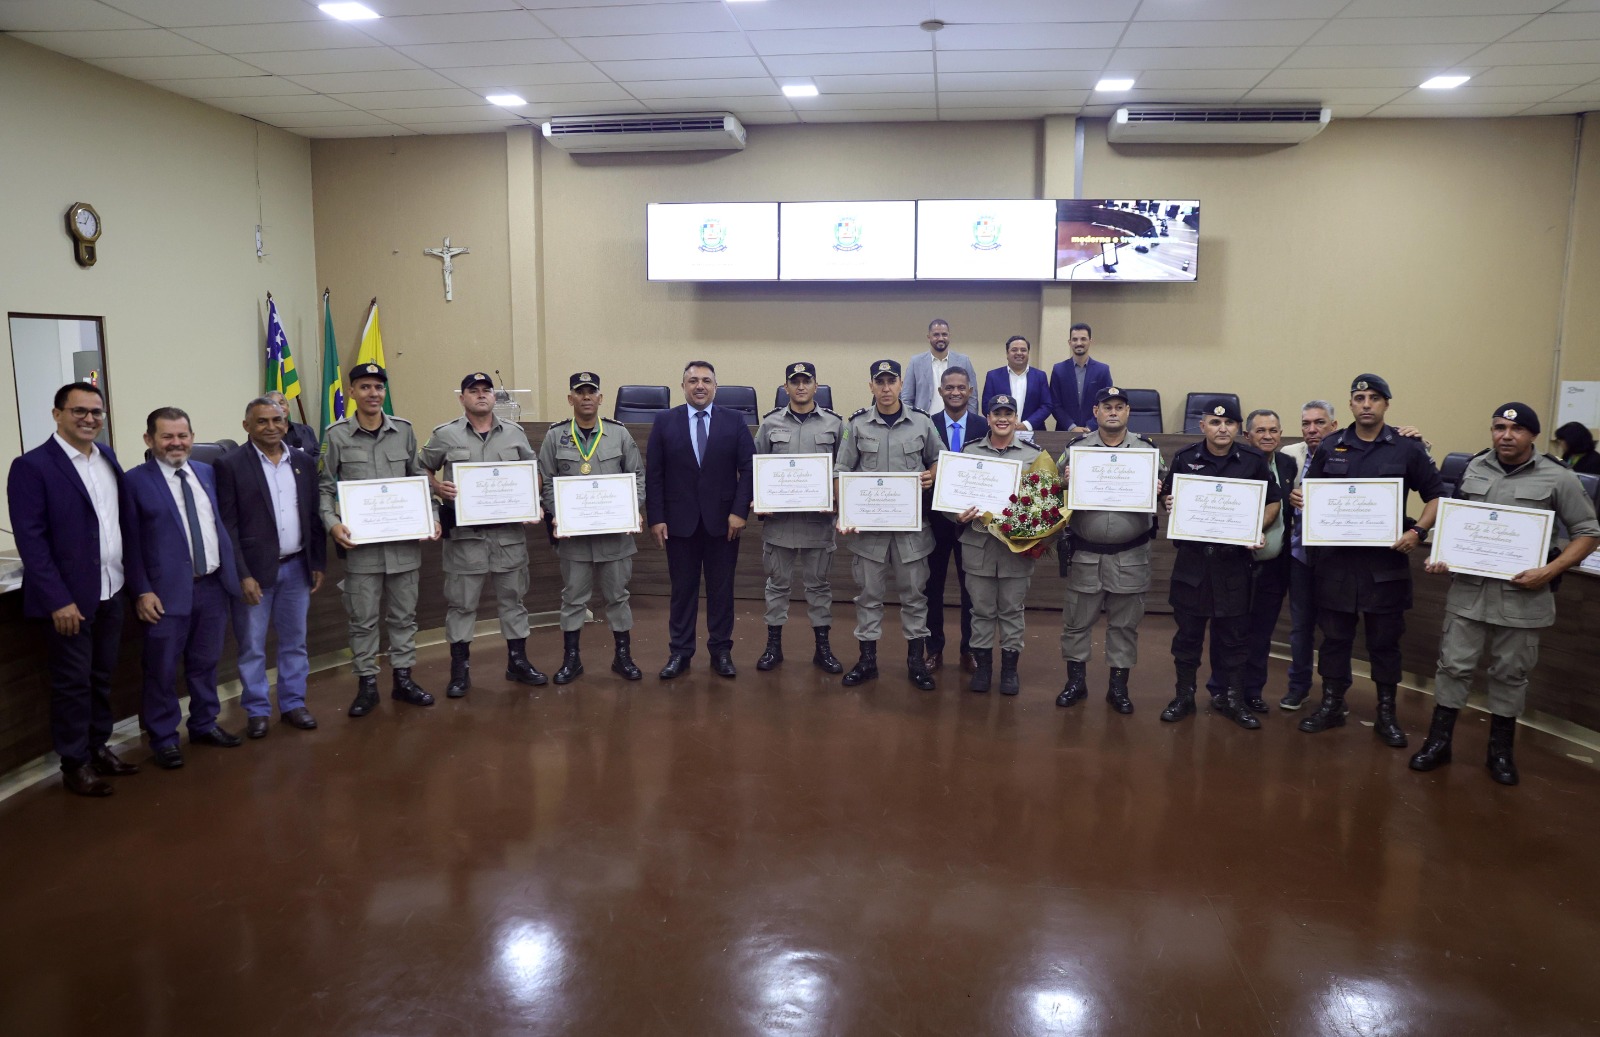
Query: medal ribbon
577, 441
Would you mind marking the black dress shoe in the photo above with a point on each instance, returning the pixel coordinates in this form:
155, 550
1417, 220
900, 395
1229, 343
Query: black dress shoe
677, 666
105, 762
85, 782
216, 736
168, 759
1257, 704
300, 717
722, 665
256, 727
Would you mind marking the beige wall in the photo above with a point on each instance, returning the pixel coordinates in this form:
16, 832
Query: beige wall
1580, 332
180, 188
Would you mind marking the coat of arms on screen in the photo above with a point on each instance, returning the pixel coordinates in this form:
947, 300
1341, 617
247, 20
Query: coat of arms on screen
713, 235
986, 233
847, 234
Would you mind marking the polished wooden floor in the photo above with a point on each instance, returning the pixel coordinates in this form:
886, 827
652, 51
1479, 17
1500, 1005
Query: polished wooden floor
780, 855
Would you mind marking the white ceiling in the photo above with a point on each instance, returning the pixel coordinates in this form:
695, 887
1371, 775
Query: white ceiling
425, 66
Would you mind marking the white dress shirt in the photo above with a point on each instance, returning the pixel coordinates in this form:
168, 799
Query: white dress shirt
285, 500
934, 401
202, 503
101, 483
1019, 392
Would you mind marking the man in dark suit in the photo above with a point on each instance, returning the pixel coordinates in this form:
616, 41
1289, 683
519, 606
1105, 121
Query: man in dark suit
1075, 382
267, 491
957, 427
697, 496
181, 574
66, 513
301, 437
1027, 385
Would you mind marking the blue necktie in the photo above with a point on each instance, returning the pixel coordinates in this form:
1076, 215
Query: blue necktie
955, 437
197, 544
700, 437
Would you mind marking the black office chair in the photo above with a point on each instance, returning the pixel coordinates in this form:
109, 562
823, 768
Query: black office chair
639, 404
1199, 404
741, 398
824, 397
1591, 484
1144, 411
1450, 472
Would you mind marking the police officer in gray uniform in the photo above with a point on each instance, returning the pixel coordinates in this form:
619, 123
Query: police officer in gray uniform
473, 554
1107, 562
799, 541
1505, 614
374, 445
890, 436
997, 577
586, 445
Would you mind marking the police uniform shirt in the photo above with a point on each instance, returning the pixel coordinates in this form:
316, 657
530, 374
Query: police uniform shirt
907, 442
1540, 483
457, 442
982, 554
1225, 567
561, 455
350, 453
783, 431
1111, 527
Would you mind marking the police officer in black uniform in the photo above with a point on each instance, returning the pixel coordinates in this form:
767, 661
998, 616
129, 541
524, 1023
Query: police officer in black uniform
1212, 581
1372, 584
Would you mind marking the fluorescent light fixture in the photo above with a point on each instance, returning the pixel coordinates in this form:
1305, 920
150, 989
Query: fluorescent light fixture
505, 100
1445, 82
799, 90
348, 12
1114, 85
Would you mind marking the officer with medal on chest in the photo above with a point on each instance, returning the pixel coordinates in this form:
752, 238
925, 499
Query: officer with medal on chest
1505, 615
586, 445
799, 542
890, 436
1370, 584
475, 554
1109, 565
1211, 582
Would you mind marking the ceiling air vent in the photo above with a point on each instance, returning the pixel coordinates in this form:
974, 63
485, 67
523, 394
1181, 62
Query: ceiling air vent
697, 131
1192, 124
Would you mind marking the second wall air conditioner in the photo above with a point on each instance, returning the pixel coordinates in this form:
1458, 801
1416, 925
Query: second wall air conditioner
1195, 124
696, 131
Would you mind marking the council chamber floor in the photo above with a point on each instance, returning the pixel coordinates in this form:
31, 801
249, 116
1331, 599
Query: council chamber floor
778, 854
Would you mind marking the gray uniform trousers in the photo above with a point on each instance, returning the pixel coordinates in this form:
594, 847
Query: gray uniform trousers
362, 594
1116, 582
507, 568
873, 578
998, 603
812, 563
579, 577
1514, 651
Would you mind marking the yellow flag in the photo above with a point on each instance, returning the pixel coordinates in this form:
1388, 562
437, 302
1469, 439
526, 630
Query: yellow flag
371, 352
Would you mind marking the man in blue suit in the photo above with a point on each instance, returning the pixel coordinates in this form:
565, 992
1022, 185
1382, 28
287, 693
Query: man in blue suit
957, 427
66, 513
1026, 385
697, 497
1074, 383
181, 574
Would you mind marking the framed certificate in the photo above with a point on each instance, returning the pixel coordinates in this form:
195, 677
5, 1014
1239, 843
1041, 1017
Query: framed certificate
1352, 512
1491, 539
1217, 511
793, 482
979, 481
590, 504
1102, 478
880, 502
490, 492
378, 511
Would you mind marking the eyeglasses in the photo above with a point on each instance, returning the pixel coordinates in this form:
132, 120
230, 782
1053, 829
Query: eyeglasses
86, 412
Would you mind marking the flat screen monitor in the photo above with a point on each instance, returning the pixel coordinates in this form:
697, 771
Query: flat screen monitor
986, 240
1125, 239
711, 241
847, 241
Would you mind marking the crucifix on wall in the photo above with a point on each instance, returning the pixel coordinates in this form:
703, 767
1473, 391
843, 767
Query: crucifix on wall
447, 254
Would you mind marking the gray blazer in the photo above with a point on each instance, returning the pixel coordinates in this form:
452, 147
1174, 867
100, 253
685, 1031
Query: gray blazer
919, 389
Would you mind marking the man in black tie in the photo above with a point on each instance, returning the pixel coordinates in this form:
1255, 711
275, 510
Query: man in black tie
957, 427
697, 497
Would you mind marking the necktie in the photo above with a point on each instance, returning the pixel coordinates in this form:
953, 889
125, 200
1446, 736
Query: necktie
700, 437
197, 544
955, 437
1296, 548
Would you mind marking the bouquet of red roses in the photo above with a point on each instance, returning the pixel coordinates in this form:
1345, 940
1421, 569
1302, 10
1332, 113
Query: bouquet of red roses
1037, 512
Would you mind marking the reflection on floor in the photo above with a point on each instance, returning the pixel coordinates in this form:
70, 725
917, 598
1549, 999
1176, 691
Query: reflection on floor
780, 855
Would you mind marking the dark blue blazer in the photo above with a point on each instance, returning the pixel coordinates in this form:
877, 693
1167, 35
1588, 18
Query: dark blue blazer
155, 552
1038, 402
247, 514
683, 494
58, 536
977, 428
1068, 409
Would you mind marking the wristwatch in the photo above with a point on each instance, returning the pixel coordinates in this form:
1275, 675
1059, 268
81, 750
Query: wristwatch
1422, 534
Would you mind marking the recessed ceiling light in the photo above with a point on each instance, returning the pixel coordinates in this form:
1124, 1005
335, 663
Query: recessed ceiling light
349, 12
1445, 82
1112, 85
505, 100
799, 90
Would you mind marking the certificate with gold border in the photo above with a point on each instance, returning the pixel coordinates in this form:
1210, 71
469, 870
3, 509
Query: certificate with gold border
1494, 540
381, 511
1217, 511
587, 505
880, 502
490, 492
1104, 478
1352, 512
792, 482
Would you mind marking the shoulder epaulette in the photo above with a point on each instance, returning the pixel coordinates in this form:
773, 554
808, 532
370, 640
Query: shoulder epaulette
771, 412
403, 421
1553, 457
565, 421
830, 410
442, 424
920, 411
1143, 439
1080, 438
858, 413
341, 421
1485, 450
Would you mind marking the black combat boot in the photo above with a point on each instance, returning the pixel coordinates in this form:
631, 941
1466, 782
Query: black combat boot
866, 667
1435, 751
366, 696
1502, 732
1182, 704
407, 690
1387, 729
518, 668
1010, 682
823, 658
917, 663
571, 661
983, 670
460, 678
774, 653
1231, 705
1330, 713
622, 657
1077, 686
1117, 692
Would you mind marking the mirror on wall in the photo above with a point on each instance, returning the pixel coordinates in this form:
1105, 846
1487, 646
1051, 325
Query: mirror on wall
48, 351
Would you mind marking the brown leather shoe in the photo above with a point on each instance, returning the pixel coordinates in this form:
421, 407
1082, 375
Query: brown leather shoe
85, 782
968, 663
300, 717
935, 660
105, 762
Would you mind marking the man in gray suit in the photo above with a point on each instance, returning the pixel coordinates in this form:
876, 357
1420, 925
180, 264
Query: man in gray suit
923, 371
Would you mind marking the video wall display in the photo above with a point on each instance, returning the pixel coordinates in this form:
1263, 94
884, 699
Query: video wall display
1004, 239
